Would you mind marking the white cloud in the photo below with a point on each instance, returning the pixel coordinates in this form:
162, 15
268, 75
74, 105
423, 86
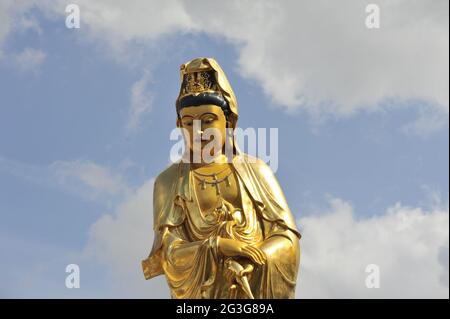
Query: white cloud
29, 60
410, 245
14, 17
141, 102
316, 56
320, 57
117, 241
121, 240
4, 25
86, 179
431, 119
91, 179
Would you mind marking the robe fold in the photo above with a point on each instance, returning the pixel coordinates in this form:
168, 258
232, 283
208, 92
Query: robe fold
185, 246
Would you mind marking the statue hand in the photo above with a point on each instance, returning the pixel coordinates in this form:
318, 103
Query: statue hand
255, 254
231, 248
235, 270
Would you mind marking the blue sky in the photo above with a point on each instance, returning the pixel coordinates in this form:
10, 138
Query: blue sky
68, 115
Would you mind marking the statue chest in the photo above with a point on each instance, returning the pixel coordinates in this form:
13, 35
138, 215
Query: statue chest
211, 195
221, 207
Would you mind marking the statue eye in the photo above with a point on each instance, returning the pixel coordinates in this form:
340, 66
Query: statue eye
208, 120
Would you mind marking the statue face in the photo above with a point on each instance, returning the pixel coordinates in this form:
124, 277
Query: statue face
204, 126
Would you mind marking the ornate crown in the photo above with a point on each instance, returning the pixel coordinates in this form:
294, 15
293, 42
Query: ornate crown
195, 83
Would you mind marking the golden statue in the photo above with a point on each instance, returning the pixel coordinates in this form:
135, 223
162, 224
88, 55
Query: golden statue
222, 228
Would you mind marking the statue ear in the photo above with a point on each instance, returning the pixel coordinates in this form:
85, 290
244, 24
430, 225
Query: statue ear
178, 123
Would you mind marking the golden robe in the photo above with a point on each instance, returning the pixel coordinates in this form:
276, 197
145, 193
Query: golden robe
185, 249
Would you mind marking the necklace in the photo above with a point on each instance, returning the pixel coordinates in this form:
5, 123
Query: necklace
215, 181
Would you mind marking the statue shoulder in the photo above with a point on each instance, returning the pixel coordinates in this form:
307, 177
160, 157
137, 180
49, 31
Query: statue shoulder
258, 165
263, 174
167, 176
165, 180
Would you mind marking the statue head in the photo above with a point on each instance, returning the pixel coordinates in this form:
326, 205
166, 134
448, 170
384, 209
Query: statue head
206, 105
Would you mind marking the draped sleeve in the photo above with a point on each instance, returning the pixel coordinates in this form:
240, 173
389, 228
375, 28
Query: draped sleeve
165, 214
266, 193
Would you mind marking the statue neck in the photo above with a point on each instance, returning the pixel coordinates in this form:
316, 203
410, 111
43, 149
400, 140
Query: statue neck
216, 160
